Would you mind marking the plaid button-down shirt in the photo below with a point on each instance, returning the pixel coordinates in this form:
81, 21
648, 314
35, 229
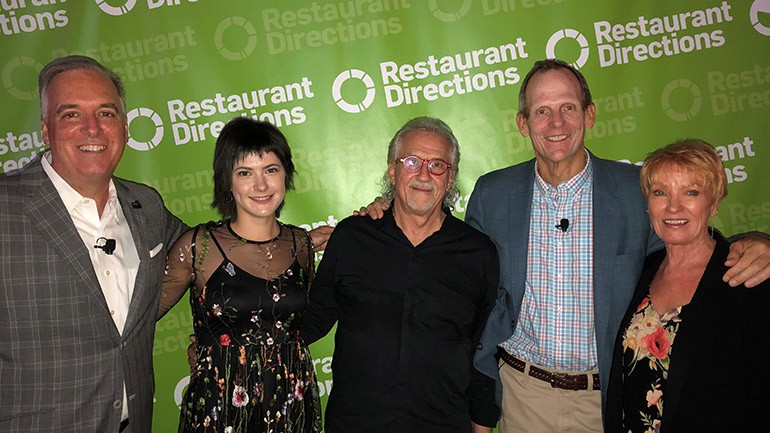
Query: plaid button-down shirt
556, 323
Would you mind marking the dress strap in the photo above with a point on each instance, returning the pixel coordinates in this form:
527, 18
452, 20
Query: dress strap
216, 242
294, 230
293, 237
296, 250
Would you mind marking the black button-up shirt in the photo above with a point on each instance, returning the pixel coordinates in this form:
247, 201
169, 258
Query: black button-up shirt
409, 318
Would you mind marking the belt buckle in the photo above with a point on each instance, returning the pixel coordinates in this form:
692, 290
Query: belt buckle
558, 377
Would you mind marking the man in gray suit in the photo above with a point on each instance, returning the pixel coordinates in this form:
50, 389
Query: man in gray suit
572, 234
82, 255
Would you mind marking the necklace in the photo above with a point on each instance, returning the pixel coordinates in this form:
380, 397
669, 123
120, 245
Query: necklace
269, 245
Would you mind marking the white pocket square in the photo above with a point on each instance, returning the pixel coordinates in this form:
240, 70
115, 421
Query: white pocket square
156, 250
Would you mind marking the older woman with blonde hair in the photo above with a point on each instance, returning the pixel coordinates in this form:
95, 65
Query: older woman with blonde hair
691, 352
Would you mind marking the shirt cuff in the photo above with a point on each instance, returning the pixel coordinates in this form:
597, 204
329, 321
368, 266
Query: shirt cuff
484, 413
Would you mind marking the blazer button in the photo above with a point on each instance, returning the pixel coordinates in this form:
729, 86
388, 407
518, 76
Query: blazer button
117, 404
479, 346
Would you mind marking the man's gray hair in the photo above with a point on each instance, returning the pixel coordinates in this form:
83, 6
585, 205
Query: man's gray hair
71, 63
436, 126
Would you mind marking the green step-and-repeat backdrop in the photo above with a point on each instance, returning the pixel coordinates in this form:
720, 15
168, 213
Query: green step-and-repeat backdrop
340, 77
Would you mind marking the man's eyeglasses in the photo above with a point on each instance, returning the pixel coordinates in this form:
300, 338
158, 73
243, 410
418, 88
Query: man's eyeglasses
413, 164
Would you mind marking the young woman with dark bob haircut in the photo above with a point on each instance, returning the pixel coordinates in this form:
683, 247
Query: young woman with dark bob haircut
248, 276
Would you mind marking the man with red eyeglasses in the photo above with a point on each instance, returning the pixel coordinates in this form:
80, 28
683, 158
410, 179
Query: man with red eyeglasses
409, 293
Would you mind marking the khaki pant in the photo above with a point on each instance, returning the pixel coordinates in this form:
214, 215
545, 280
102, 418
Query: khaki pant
532, 406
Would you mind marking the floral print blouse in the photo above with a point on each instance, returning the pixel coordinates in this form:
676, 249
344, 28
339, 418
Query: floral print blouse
647, 343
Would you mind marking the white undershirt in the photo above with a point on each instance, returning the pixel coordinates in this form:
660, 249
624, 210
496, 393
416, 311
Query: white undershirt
116, 272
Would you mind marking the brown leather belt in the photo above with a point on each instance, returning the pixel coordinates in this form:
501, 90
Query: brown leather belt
574, 382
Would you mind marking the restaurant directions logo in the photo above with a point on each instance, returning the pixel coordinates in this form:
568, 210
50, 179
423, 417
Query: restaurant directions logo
116, 10
353, 74
757, 8
157, 135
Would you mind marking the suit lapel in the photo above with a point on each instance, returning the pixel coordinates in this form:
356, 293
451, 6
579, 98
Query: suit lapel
518, 239
606, 226
47, 213
137, 223
606, 232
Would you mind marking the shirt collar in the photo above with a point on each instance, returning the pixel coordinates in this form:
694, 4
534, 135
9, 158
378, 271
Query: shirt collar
569, 187
389, 220
69, 196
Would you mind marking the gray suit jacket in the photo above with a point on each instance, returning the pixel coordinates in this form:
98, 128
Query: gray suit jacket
500, 207
62, 361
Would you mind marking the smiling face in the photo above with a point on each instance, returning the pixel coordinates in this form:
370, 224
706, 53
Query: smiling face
258, 185
680, 206
420, 193
85, 127
556, 122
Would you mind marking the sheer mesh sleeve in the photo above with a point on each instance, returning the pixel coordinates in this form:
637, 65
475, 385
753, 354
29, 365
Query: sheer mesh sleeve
305, 254
179, 272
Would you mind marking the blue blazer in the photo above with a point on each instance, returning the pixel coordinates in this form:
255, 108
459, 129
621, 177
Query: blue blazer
500, 207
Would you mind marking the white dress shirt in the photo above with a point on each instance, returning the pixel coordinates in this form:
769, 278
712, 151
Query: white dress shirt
116, 272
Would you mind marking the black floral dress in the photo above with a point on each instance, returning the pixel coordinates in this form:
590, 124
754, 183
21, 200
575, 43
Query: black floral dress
647, 342
254, 374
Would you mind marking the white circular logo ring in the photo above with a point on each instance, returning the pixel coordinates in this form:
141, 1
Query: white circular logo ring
179, 390
550, 49
449, 17
757, 7
116, 10
247, 26
337, 91
697, 100
8, 70
144, 146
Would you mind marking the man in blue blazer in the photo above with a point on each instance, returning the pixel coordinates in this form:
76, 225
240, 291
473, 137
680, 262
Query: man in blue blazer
82, 257
572, 234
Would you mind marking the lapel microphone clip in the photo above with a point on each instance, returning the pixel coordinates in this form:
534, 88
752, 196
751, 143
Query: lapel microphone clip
106, 245
563, 225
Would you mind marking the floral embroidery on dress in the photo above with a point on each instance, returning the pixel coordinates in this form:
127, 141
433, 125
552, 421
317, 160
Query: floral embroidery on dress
254, 374
647, 345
